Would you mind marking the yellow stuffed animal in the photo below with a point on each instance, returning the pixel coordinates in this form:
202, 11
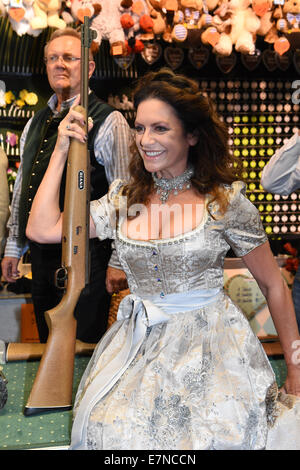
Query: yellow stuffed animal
46, 13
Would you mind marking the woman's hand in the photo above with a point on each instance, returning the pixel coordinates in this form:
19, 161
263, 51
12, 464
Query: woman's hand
72, 126
45, 219
115, 280
292, 383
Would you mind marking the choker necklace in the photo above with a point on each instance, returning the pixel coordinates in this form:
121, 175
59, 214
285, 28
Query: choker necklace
179, 183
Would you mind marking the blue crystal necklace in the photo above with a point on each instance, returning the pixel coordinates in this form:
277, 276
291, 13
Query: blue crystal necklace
164, 186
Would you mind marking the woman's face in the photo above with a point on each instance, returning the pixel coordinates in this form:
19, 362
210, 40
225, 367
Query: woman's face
160, 138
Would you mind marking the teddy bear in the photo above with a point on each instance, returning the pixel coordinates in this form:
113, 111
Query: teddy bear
159, 23
209, 22
185, 21
21, 16
46, 13
288, 26
193, 21
265, 10
76, 10
192, 11
108, 26
208, 7
242, 24
162, 13
169, 9
289, 17
220, 24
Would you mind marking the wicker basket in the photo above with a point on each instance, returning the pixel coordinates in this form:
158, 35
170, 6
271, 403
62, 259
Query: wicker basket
114, 305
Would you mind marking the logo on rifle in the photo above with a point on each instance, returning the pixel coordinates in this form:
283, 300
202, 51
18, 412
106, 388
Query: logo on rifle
80, 179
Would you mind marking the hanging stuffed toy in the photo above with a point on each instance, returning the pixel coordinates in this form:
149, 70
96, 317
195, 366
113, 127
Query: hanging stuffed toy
159, 23
108, 26
46, 13
169, 9
187, 18
136, 23
211, 23
20, 13
288, 24
264, 10
162, 13
243, 24
81, 8
291, 16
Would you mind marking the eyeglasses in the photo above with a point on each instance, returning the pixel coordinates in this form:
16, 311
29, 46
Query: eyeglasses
66, 58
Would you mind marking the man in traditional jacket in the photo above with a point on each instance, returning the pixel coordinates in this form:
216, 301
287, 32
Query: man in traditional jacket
109, 142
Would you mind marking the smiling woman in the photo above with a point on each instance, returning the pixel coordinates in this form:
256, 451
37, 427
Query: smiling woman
181, 367
163, 145
188, 131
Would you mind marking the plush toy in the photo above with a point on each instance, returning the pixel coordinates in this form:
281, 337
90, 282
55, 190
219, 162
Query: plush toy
181, 19
220, 24
66, 11
78, 9
162, 13
288, 26
2, 9
210, 23
180, 31
46, 13
197, 19
208, 7
289, 20
137, 24
20, 17
192, 22
169, 9
192, 11
265, 9
243, 23
108, 26
159, 23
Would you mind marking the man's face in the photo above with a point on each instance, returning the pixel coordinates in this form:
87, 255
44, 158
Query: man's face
63, 72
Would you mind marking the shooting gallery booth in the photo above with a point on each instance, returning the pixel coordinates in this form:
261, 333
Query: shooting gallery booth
256, 90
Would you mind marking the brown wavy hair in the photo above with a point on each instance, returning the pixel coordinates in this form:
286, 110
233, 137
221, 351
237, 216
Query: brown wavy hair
214, 165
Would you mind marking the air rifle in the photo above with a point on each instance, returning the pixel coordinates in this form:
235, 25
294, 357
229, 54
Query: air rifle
12, 352
52, 388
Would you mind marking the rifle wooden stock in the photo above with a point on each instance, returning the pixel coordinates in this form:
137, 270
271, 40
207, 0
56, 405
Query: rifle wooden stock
52, 388
33, 351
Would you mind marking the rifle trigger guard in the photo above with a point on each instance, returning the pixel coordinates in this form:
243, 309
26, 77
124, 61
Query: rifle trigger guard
61, 276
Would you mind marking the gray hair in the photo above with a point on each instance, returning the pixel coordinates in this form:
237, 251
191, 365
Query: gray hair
58, 33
